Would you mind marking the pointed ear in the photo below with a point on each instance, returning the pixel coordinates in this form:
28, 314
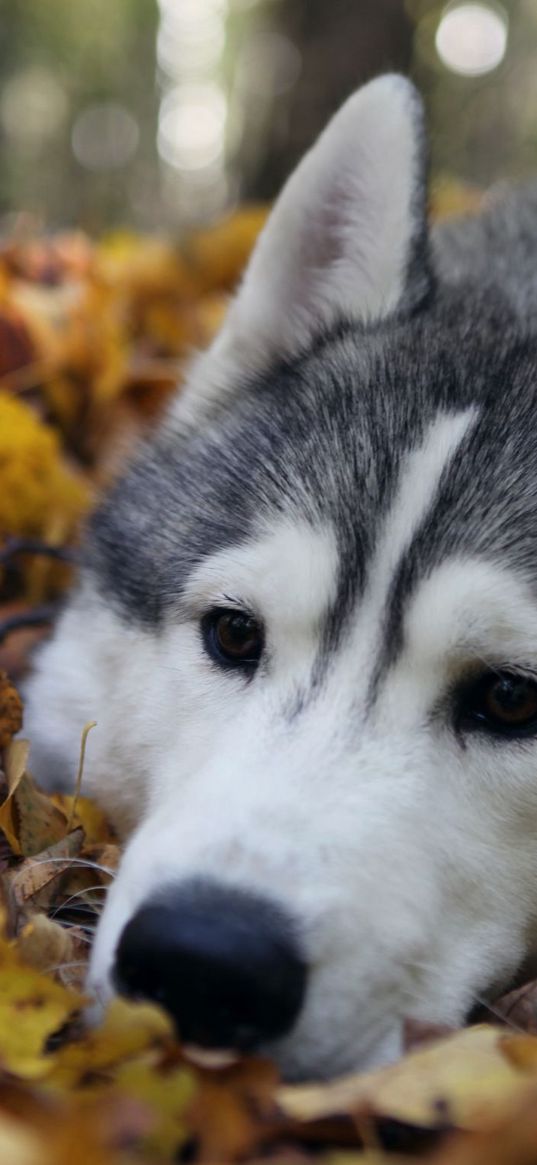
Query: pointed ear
346, 239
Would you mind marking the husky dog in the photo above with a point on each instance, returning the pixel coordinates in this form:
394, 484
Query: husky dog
307, 629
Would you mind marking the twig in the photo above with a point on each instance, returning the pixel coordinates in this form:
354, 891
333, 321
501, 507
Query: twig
85, 731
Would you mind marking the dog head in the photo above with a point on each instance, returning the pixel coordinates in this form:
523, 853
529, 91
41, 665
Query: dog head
307, 629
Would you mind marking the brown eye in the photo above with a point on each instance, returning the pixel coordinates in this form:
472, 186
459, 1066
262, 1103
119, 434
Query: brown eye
513, 701
232, 638
502, 702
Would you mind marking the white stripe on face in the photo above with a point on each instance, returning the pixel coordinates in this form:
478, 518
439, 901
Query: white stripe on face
420, 475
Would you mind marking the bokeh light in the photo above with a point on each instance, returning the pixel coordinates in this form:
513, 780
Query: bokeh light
105, 136
471, 39
33, 106
191, 129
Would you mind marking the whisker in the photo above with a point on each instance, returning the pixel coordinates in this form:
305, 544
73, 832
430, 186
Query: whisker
85, 862
65, 966
83, 909
81, 936
79, 894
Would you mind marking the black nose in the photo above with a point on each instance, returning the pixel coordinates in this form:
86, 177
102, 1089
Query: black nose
222, 962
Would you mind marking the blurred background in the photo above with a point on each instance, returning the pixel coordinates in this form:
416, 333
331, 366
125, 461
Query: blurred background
158, 116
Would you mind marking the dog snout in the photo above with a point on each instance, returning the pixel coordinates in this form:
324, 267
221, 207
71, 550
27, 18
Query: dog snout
225, 965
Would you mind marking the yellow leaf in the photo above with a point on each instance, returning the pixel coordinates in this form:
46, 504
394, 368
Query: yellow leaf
168, 1093
128, 1029
15, 759
521, 1051
33, 481
455, 1081
97, 829
32, 1008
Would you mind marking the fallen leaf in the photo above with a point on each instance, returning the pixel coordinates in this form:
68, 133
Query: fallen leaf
44, 945
167, 1093
20, 1144
127, 1030
88, 815
29, 819
33, 885
519, 1007
10, 711
234, 1110
32, 1008
508, 1140
454, 1081
15, 760
34, 481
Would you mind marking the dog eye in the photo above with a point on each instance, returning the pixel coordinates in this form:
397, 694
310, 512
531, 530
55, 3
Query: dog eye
232, 638
501, 702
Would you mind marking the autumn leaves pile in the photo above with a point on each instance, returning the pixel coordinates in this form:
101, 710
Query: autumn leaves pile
93, 338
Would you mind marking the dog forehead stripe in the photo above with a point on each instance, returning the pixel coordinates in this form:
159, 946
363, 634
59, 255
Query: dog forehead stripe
415, 496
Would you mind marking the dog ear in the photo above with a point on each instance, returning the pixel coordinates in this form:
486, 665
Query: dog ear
346, 241
347, 237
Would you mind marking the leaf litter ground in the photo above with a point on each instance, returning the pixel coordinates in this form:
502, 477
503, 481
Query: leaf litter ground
93, 338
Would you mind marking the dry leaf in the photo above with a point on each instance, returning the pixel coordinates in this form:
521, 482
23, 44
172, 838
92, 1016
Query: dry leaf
234, 1110
30, 820
519, 1007
33, 480
97, 830
44, 945
455, 1081
32, 1008
10, 711
127, 1030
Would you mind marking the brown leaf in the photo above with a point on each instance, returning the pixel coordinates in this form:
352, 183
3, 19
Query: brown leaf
508, 1140
44, 945
50, 1129
35, 884
519, 1007
234, 1110
10, 710
29, 819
